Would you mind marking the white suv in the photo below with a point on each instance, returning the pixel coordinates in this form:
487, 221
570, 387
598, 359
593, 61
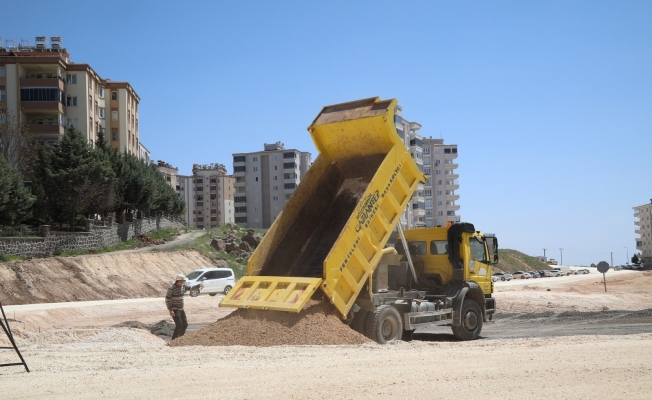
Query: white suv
215, 280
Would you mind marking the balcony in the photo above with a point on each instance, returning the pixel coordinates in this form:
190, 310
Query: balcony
452, 185
638, 231
450, 156
450, 177
43, 82
42, 106
418, 209
239, 184
450, 166
46, 129
452, 197
453, 207
452, 218
637, 223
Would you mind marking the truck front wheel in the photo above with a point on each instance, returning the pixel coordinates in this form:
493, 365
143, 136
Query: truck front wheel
471, 325
385, 325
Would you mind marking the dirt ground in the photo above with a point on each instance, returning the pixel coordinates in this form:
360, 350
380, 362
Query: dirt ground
74, 351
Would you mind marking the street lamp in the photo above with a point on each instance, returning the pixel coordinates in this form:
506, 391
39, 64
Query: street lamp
561, 257
627, 260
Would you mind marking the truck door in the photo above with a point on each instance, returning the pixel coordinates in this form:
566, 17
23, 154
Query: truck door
479, 269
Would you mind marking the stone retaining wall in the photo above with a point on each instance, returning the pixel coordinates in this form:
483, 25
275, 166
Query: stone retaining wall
97, 238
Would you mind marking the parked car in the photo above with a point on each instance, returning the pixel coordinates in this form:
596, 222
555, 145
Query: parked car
637, 266
554, 272
584, 271
627, 266
546, 273
215, 280
534, 274
521, 275
618, 267
501, 276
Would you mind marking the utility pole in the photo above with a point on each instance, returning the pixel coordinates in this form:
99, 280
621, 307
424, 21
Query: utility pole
561, 257
612, 259
544, 254
627, 260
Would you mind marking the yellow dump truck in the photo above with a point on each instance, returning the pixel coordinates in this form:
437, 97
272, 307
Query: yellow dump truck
332, 235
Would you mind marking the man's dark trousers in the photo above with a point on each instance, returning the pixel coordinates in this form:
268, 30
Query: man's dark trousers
180, 322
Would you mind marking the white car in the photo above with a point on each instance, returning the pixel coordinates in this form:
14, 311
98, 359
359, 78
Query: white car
521, 275
215, 280
554, 272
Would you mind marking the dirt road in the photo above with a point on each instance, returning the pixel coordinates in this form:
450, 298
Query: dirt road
75, 351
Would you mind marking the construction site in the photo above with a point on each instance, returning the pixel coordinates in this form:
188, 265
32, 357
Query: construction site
338, 300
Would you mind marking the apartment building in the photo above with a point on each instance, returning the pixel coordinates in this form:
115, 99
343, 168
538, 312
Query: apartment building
169, 173
212, 202
644, 230
433, 204
41, 87
439, 164
265, 181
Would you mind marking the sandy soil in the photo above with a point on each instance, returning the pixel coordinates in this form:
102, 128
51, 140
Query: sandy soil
74, 351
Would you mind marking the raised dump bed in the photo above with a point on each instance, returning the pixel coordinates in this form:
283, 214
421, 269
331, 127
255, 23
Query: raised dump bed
332, 232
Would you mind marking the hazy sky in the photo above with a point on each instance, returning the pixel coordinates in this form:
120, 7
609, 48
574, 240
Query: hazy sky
550, 102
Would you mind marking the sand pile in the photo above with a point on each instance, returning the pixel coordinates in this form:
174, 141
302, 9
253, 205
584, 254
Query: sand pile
317, 324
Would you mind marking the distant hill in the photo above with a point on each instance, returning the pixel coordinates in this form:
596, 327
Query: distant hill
513, 260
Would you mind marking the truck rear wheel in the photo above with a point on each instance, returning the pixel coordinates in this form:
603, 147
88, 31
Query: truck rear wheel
384, 325
359, 322
471, 325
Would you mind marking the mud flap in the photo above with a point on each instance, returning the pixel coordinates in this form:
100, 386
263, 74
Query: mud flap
280, 293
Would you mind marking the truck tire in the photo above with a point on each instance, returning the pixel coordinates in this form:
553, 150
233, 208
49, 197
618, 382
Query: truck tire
384, 325
471, 325
359, 321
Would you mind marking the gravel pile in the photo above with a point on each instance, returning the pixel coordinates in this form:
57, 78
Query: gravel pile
317, 324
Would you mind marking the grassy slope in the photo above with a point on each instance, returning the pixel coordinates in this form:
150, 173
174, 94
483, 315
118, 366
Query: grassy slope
513, 260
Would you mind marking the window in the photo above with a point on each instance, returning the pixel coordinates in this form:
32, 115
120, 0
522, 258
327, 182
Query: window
428, 203
439, 193
275, 198
290, 176
256, 200
416, 248
289, 165
240, 199
276, 168
199, 180
213, 188
71, 79
114, 115
255, 169
41, 94
438, 172
114, 95
3, 96
287, 196
213, 218
440, 213
240, 169
275, 177
426, 171
439, 202
275, 188
241, 209
200, 219
255, 179
213, 211
439, 182
436, 151
241, 220
200, 204
427, 192
289, 154
238, 158
71, 101
426, 150
2, 72
426, 160
114, 136
213, 180
255, 158
288, 186
101, 92
102, 112
439, 247
256, 189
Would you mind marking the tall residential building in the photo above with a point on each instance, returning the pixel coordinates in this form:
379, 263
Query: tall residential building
212, 202
169, 173
433, 204
439, 164
644, 230
41, 87
265, 181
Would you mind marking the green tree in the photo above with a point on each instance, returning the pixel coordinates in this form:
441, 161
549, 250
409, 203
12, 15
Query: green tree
635, 259
15, 199
74, 178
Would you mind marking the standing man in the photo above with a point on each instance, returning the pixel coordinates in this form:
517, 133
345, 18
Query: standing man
174, 302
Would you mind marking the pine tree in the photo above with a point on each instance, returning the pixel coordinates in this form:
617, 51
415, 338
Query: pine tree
74, 178
15, 199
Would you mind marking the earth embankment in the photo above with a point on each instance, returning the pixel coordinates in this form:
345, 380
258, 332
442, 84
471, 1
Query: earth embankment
95, 277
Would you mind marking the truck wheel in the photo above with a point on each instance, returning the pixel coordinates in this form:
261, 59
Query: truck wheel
359, 321
385, 325
194, 292
471, 321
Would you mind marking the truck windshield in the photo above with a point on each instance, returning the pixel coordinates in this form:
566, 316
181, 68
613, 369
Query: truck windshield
477, 250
